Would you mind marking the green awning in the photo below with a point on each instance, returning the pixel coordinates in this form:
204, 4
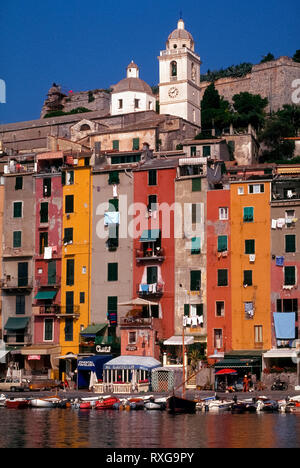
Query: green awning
44, 295
92, 330
150, 235
16, 323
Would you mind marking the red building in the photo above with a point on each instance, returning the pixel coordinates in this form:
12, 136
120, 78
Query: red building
153, 262
219, 320
47, 270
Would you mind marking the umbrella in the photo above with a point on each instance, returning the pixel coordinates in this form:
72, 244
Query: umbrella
226, 372
137, 302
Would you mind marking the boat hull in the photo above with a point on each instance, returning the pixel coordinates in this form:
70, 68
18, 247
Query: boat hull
106, 404
180, 405
17, 404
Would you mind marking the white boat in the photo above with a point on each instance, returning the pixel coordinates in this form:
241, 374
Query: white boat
156, 404
2, 400
50, 402
219, 405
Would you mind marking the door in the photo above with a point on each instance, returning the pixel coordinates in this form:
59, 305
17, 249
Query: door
22, 274
52, 272
69, 302
152, 275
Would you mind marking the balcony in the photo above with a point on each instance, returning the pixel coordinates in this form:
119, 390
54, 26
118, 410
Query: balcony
18, 339
155, 290
150, 254
16, 284
57, 310
136, 322
45, 282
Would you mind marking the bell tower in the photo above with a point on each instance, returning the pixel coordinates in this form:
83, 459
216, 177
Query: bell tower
179, 77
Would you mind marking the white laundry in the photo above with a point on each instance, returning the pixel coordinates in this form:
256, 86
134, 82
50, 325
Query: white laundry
111, 217
274, 223
252, 258
47, 253
280, 223
115, 191
194, 321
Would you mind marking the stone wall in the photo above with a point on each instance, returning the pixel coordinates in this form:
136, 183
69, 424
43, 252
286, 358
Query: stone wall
272, 80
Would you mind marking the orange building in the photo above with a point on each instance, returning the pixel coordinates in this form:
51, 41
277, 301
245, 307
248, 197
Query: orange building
250, 264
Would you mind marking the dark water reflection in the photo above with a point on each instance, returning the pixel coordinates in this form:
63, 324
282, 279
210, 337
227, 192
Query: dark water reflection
56, 428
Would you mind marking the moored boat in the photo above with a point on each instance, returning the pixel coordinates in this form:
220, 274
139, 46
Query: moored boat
2, 399
177, 404
107, 403
50, 402
17, 403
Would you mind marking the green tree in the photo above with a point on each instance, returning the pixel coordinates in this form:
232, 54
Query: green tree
215, 110
267, 58
296, 56
249, 108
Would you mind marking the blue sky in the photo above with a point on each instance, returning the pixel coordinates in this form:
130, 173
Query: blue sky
84, 46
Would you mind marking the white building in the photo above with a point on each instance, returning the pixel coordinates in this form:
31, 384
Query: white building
132, 94
179, 71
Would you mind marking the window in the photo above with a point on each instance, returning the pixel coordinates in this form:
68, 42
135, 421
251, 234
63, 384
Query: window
113, 205
173, 68
290, 276
68, 236
20, 305
258, 334
223, 213
112, 272
69, 203
218, 338
70, 272
120, 103
17, 239
193, 151
240, 190
131, 338
152, 275
193, 310
52, 272
250, 246
152, 177
69, 302
69, 177
22, 274
116, 145
249, 310
195, 280
48, 329
136, 144
257, 188
113, 237
196, 185
44, 213
196, 213
247, 278
19, 183
82, 298
112, 310
195, 246
248, 214
288, 305
17, 209
222, 277
136, 103
43, 242
69, 329
220, 309
206, 151
290, 218
290, 243
152, 203
47, 188
222, 244
113, 178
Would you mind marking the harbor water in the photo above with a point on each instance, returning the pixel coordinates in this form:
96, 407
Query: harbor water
71, 428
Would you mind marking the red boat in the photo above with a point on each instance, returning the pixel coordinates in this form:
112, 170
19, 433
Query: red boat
85, 405
107, 403
17, 403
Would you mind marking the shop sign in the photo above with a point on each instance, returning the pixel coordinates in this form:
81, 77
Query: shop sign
103, 349
34, 357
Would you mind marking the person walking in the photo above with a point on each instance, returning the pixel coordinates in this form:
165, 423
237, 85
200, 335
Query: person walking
245, 384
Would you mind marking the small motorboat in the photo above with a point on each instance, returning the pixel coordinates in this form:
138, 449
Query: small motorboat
136, 403
219, 405
17, 403
269, 406
107, 403
180, 405
2, 399
50, 402
156, 404
86, 405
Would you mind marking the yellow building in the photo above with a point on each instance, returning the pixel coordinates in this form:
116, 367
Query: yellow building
250, 265
76, 251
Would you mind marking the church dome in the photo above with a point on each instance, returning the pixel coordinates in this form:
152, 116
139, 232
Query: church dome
181, 34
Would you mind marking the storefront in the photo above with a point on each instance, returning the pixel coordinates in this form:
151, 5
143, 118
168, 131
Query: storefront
88, 365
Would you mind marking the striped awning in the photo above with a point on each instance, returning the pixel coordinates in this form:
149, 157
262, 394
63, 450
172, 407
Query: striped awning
192, 161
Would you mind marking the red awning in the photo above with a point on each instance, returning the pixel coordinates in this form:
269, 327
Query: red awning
226, 372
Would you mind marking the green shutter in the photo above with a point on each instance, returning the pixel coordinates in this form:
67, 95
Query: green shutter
70, 272
48, 334
250, 246
70, 302
199, 310
69, 204
43, 242
222, 277
187, 310
196, 246
222, 243
82, 298
195, 280
113, 178
289, 275
20, 305
17, 239
68, 235
47, 187
115, 203
248, 214
116, 145
52, 272
247, 278
19, 183
112, 272
44, 213
22, 274
69, 322
152, 275
206, 151
136, 144
152, 177
152, 202
17, 209
196, 185
290, 243
193, 151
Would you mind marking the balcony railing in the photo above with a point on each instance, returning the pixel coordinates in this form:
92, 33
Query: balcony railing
18, 339
17, 283
55, 309
149, 255
150, 290
45, 282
